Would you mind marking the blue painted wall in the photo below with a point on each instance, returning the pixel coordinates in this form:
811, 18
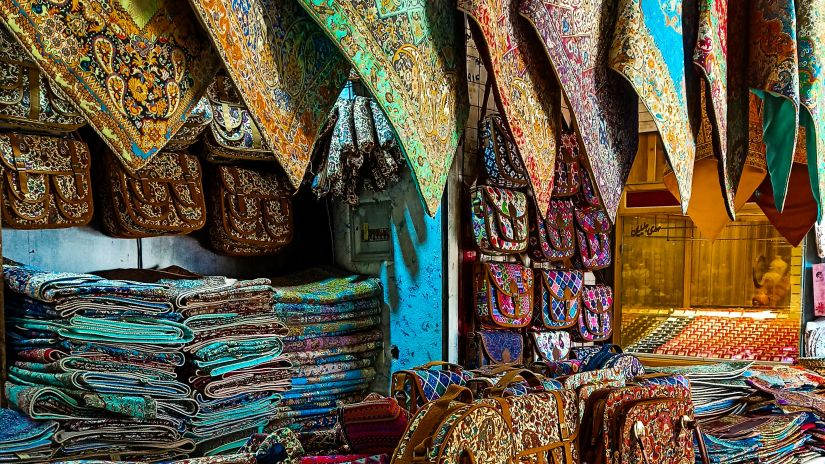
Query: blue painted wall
413, 277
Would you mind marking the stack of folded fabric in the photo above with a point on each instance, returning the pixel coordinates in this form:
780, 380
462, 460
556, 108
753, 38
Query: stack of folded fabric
774, 438
333, 342
99, 356
25, 440
716, 389
234, 362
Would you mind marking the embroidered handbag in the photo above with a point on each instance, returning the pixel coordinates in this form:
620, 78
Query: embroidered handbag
499, 220
545, 423
232, 135
374, 425
503, 166
558, 298
553, 237
28, 101
586, 382
610, 357
596, 316
567, 178
46, 181
492, 347
556, 369
413, 388
639, 425
165, 197
197, 121
551, 346
456, 430
593, 238
251, 212
504, 294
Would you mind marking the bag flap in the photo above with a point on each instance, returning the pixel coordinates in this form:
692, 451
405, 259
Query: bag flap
552, 346
241, 181
598, 299
597, 326
593, 220
41, 154
560, 214
592, 377
510, 279
563, 284
201, 114
506, 203
569, 147
502, 346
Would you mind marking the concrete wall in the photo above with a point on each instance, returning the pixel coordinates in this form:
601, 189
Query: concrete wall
413, 277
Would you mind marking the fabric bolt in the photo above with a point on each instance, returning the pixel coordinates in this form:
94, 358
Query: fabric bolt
575, 37
407, 55
325, 286
773, 63
527, 99
134, 73
332, 328
22, 437
342, 308
649, 51
287, 72
810, 40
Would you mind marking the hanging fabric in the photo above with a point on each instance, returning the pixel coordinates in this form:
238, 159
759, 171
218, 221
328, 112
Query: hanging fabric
287, 72
810, 18
528, 100
772, 68
576, 36
135, 72
720, 57
799, 214
408, 55
649, 50
707, 207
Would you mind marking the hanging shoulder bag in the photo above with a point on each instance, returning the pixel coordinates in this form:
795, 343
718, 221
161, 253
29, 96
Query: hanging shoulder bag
504, 294
499, 219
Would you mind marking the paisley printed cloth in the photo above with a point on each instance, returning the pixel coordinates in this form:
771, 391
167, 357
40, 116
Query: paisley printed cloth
576, 36
286, 70
407, 55
810, 18
649, 51
773, 75
528, 100
325, 286
134, 71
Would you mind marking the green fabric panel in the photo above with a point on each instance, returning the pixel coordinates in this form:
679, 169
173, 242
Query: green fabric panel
779, 121
806, 121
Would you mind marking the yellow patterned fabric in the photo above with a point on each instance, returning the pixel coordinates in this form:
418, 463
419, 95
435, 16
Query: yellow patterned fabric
528, 99
407, 53
287, 71
648, 49
135, 69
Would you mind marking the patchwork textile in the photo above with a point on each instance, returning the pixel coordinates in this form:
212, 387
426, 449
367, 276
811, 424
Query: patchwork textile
288, 73
528, 100
773, 75
406, 55
810, 39
649, 51
576, 36
135, 71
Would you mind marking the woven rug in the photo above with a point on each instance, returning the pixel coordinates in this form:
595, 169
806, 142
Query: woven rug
575, 37
288, 72
134, 69
407, 56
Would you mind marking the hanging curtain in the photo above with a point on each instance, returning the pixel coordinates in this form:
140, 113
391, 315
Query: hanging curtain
649, 50
576, 37
287, 72
410, 56
528, 99
134, 72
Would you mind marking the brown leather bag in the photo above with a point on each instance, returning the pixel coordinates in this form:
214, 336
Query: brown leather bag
165, 197
251, 212
46, 181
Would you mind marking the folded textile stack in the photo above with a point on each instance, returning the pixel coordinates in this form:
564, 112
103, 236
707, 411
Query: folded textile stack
775, 438
234, 361
716, 389
99, 356
25, 440
333, 342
